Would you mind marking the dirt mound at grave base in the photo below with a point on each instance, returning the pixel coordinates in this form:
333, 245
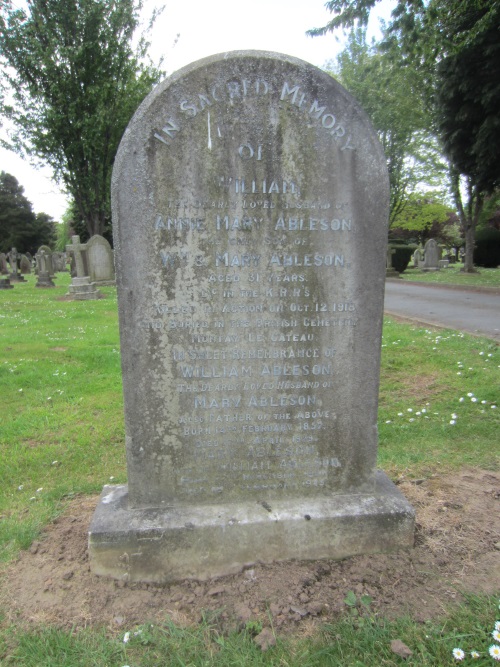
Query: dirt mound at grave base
456, 549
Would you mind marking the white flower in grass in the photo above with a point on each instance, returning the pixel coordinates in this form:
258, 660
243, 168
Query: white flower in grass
424, 410
497, 625
473, 399
20, 487
474, 654
458, 654
461, 399
494, 651
493, 407
496, 635
388, 421
410, 410
484, 402
20, 390
412, 419
470, 394
418, 414
40, 489
481, 354
459, 373
126, 637
452, 422
453, 416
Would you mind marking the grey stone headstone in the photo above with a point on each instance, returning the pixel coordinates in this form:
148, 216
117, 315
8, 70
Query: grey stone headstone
100, 261
48, 259
25, 265
81, 287
432, 256
4, 269
44, 279
250, 209
417, 258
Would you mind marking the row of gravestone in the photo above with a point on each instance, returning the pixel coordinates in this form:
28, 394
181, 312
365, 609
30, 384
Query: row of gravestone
93, 260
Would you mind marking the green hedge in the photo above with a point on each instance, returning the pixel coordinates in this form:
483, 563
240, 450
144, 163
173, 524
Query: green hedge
402, 256
487, 248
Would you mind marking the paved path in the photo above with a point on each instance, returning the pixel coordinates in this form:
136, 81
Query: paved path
476, 312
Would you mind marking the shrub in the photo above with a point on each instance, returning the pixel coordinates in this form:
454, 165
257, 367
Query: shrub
402, 256
487, 249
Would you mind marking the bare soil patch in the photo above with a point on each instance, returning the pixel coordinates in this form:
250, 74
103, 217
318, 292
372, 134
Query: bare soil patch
457, 550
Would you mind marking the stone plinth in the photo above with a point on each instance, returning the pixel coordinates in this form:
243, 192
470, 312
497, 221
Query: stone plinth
81, 289
209, 541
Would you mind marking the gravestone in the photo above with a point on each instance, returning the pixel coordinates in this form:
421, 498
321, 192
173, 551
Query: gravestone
14, 259
250, 209
390, 271
44, 280
81, 287
25, 265
5, 284
59, 262
4, 269
100, 261
48, 259
417, 258
432, 255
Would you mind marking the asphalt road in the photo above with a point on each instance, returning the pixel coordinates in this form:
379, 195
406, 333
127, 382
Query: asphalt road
475, 312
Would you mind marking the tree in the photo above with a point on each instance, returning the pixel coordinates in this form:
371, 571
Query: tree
76, 81
19, 226
454, 45
393, 99
423, 217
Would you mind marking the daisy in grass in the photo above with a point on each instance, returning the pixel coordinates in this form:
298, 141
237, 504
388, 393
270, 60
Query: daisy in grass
458, 654
496, 635
497, 625
494, 651
474, 654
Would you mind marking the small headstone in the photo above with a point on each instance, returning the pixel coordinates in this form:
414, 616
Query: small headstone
5, 284
48, 259
100, 261
250, 209
14, 259
25, 265
44, 279
4, 269
417, 258
390, 271
431, 256
81, 287
59, 262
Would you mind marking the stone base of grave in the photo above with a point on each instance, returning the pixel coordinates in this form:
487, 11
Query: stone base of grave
44, 280
391, 273
5, 284
192, 542
81, 289
17, 278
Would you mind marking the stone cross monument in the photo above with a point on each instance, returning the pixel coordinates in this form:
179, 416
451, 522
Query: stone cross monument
81, 287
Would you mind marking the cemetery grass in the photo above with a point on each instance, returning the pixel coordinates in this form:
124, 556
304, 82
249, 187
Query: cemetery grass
62, 440
489, 278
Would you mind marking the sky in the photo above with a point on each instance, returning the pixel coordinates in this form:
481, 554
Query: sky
189, 30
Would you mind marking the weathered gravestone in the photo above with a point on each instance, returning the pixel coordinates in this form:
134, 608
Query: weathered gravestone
390, 271
24, 265
99, 258
81, 287
49, 264
417, 258
250, 208
59, 262
4, 269
14, 259
432, 256
44, 280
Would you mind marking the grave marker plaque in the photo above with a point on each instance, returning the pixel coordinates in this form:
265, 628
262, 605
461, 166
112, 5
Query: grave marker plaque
250, 208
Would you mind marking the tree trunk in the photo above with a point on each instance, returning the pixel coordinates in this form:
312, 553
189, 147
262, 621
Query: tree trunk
468, 216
